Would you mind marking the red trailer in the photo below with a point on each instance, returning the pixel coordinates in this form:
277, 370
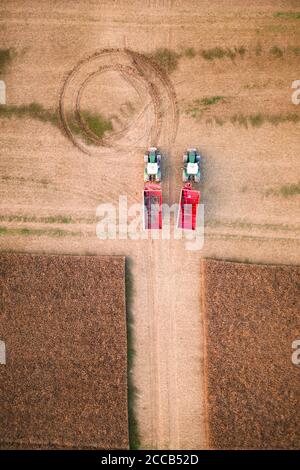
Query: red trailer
188, 205
152, 215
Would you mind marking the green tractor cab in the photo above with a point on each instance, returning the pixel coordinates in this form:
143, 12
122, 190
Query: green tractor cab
191, 166
152, 168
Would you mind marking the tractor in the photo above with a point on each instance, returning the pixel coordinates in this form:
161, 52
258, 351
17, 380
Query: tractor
152, 195
152, 169
191, 168
189, 197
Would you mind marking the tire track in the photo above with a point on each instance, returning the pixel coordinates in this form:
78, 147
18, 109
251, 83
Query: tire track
148, 80
153, 346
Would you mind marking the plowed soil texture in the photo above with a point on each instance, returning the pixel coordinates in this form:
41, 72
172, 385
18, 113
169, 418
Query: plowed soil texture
252, 318
64, 383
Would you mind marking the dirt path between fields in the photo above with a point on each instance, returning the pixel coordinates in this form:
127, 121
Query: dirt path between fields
46, 178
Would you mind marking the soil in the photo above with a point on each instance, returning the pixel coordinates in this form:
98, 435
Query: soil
252, 319
47, 171
64, 383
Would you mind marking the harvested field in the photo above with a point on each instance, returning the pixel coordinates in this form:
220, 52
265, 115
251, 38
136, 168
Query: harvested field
64, 384
89, 85
252, 317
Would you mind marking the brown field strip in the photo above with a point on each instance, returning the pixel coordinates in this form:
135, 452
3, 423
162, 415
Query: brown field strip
88, 89
64, 384
252, 317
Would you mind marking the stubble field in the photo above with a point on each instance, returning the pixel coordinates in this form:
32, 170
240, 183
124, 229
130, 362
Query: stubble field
112, 79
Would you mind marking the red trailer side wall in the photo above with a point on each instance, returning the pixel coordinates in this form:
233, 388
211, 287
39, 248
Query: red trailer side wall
189, 201
152, 209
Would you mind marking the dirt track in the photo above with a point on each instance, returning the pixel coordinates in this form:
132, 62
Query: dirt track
44, 174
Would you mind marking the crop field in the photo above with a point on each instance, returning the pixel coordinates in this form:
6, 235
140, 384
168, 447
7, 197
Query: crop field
252, 385
89, 86
64, 384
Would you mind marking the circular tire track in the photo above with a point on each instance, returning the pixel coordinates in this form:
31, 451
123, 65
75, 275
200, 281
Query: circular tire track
151, 84
126, 71
141, 63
